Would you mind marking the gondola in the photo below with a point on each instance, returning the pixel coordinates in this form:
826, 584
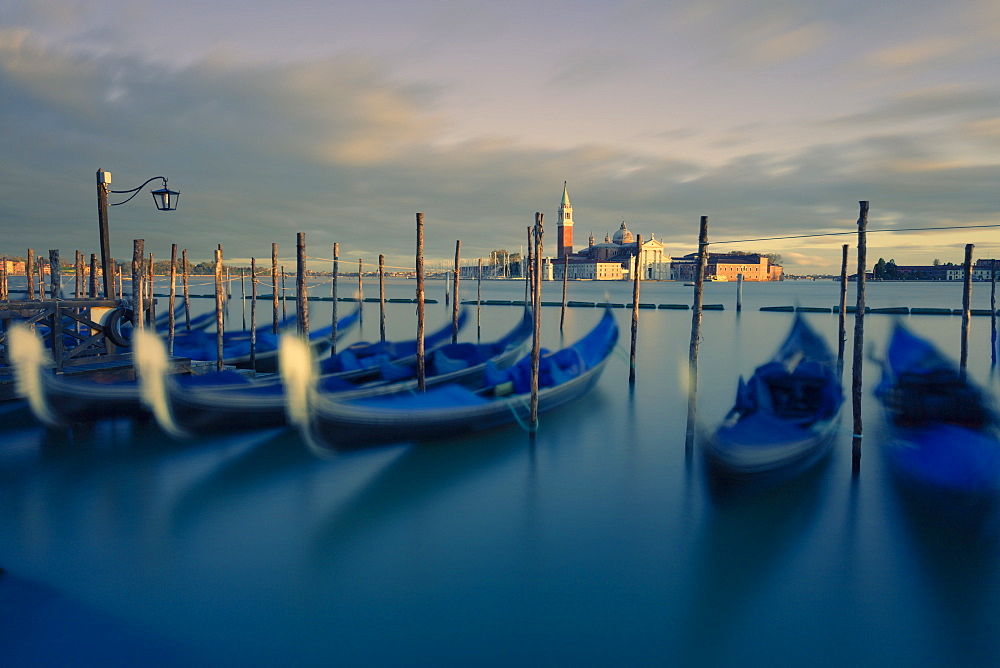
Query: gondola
451, 409
203, 345
60, 400
228, 401
785, 416
944, 437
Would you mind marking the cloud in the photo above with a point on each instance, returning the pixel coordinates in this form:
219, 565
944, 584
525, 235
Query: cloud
914, 53
927, 102
790, 44
343, 150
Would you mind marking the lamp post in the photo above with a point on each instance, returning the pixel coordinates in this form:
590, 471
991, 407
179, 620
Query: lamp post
164, 198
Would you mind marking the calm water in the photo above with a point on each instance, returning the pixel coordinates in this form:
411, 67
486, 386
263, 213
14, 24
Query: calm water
598, 543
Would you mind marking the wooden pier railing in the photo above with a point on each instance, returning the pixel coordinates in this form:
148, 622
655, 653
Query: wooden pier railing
77, 329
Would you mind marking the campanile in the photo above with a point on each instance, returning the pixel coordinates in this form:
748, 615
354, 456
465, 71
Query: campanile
565, 228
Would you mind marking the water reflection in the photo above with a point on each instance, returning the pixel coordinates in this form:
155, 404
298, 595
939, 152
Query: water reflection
419, 474
748, 536
263, 457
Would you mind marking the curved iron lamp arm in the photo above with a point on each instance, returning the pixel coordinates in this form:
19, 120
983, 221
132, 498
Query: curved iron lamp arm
136, 191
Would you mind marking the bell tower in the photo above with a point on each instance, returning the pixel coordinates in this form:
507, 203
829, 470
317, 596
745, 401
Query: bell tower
564, 240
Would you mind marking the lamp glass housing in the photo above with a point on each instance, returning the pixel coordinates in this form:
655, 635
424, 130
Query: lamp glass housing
166, 199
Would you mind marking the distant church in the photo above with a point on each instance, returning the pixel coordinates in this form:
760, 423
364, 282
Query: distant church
613, 260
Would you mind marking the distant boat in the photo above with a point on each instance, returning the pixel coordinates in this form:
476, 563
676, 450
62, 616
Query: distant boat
712, 279
785, 417
944, 428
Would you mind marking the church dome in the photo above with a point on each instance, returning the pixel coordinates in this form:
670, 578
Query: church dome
623, 235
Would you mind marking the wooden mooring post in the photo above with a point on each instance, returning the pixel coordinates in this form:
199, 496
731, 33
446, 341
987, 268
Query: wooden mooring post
381, 297
138, 255
274, 288
301, 288
55, 275
421, 382
243, 294
454, 306
361, 294
186, 290
284, 297
699, 287
29, 273
993, 312
171, 316
333, 294
636, 279
93, 276
536, 307
859, 338
77, 276
528, 271
253, 312
739, 292
966, 310
151, 313
842, 320
562, 313
219, 298
479, 301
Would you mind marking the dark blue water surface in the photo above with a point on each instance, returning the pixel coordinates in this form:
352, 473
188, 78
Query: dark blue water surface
596, 543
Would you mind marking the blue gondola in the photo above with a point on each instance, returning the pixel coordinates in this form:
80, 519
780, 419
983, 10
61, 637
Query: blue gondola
944, 428
451, 409
785, 417
227, 401
60, 400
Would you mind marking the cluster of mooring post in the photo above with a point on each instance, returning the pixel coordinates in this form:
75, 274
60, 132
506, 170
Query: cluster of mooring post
143, 312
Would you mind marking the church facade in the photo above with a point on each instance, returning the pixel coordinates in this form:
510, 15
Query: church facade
613, 260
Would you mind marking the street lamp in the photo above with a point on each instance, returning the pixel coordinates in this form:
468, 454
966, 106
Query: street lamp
164, 198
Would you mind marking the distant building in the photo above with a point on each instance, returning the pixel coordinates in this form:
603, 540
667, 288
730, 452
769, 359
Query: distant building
726, 267
13, 267
919, 272
614, 260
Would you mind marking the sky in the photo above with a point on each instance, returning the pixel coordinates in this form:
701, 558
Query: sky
342, 119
